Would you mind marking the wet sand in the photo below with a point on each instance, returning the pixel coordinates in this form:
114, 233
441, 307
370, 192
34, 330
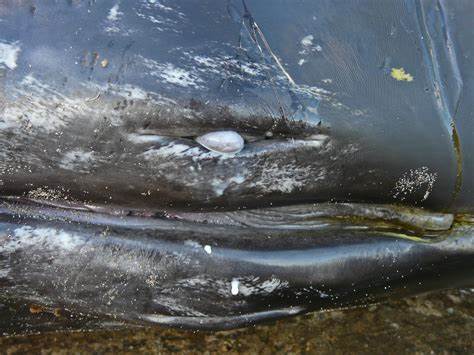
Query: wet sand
436, 323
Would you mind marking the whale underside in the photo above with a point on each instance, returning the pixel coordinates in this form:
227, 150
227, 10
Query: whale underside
211, 165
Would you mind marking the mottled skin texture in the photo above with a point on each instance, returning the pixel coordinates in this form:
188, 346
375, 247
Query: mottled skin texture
111, 208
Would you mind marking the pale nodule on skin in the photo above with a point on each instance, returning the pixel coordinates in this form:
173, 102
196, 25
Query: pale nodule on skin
224, 142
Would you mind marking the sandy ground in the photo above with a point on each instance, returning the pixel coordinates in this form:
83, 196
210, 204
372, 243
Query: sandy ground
436, 323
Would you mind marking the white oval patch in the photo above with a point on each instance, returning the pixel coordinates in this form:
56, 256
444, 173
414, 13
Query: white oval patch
224, 142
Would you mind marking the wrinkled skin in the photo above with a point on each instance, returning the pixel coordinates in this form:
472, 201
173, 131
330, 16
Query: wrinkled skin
355, 182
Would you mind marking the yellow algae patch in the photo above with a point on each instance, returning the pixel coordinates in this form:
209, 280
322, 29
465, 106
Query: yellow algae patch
400, 74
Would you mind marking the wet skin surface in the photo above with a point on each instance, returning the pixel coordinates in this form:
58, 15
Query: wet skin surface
356, 122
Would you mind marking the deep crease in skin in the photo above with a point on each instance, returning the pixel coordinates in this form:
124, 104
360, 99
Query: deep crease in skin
447, 100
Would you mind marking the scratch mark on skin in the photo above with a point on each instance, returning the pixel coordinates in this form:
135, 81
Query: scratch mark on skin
96, 97
256, 31
254, 45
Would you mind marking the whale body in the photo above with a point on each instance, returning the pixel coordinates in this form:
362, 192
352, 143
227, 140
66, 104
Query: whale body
215, 164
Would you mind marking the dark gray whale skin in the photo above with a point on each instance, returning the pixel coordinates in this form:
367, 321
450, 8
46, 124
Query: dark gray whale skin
355, 184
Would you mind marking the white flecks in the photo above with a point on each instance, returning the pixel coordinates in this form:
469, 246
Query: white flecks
47, 108
211, 64
77, 160
26, 237
177, 150
114, 13
224, 142
307, 47
45, 193
170, 74
215, 65
234, 287
132, 92
170, 150
287, 178
112, 23
208, 249
178, 76
413, 181
257, 287
9, 55
152, 280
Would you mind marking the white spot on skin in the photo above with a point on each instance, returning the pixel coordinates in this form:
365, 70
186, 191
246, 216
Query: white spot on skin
308, 47
114, 13
234, 287
208, 249
9, 55
112, 23
224, 142
307, 41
